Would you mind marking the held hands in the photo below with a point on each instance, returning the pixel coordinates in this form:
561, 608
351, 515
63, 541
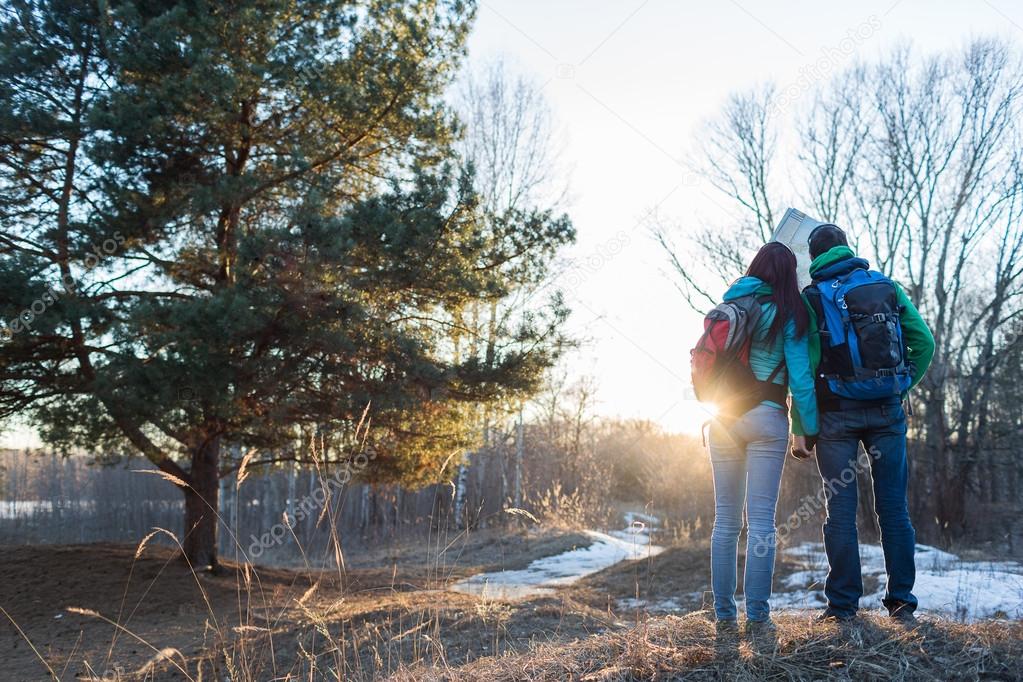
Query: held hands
803, 446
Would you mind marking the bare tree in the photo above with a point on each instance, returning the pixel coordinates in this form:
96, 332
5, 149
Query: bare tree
736, 158
832, 137
509, 142
940, 200
921, 160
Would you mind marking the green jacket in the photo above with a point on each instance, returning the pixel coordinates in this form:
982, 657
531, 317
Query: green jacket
918, 338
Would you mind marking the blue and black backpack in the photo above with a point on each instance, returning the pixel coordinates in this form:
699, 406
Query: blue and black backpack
863, 354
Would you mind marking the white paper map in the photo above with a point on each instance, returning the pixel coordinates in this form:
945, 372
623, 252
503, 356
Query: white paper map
793, 231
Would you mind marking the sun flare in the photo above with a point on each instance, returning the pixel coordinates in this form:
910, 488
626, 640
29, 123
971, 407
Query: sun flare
690, 416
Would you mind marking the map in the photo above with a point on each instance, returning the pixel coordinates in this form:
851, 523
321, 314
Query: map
793, 231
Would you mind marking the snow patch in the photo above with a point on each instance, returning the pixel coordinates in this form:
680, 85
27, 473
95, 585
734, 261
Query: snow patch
945, 584
662, 606
561, 569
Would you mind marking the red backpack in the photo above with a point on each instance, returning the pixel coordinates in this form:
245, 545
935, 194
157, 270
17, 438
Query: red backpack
720, 361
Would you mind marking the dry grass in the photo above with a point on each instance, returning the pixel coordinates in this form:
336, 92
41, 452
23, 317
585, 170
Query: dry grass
674, 647
140, 614
137, 613
127, 614
134, 615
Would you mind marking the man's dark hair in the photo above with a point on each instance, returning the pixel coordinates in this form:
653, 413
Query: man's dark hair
826, 237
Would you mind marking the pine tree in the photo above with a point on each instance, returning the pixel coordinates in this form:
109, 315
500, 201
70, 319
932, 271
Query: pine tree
244, 224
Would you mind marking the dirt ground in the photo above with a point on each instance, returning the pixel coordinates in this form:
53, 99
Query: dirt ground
388, 610
54, 593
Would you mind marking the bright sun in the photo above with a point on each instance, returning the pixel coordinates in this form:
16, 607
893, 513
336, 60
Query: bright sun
689, 416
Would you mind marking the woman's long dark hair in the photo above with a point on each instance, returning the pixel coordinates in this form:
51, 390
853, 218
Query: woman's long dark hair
775, 264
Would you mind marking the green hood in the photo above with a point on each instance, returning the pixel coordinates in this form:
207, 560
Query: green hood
830, 257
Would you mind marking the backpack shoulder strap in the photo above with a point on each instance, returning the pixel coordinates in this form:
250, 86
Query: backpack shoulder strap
727, 311
745, 324
756, 312
813, 297
830, 315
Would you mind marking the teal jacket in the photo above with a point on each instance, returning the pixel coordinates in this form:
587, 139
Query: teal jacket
793, 350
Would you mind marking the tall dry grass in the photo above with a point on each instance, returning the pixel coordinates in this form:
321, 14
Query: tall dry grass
305, 637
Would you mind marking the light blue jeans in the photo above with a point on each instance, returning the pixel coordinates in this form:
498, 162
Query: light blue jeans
747, 458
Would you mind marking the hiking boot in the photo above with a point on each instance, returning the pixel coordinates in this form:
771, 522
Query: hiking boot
760, 628
831, 616
727, 627
762, 635
904, 616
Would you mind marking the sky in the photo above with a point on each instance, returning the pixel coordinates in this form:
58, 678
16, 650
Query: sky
631, 82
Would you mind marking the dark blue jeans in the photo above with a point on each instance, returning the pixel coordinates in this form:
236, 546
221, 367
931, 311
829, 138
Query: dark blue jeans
882, 430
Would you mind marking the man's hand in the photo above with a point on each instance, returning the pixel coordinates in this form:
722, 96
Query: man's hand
803, 446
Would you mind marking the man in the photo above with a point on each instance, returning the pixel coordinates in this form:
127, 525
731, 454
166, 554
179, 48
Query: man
868, 347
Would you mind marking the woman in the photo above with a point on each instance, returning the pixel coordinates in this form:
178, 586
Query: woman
748, 452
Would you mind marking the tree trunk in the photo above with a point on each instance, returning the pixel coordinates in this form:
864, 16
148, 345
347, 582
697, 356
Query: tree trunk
461, 480
202, 505
520, 448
